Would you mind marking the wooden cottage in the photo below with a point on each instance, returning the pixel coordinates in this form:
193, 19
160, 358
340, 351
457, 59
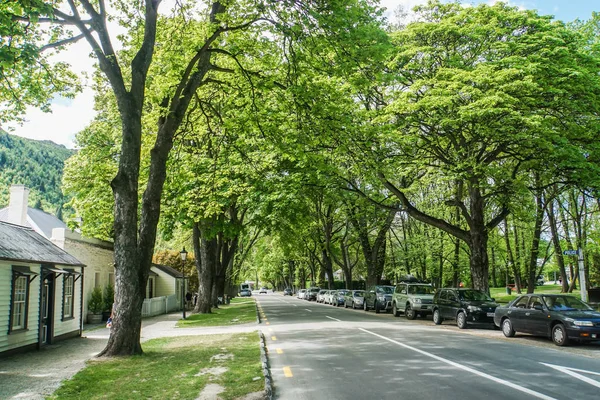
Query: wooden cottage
41, 289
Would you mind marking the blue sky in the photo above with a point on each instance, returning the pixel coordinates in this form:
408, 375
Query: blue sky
71, 116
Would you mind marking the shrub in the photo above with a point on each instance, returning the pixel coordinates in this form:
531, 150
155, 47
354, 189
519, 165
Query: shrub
96, 303
109, 297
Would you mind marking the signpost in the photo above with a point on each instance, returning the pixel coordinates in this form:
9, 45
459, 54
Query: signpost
582, 282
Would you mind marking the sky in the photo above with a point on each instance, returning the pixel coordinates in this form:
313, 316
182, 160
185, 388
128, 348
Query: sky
70, 116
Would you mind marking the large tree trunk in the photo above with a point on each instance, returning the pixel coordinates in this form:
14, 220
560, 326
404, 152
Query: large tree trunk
479, 262
510, 260
206, 248
560, 260
535, 245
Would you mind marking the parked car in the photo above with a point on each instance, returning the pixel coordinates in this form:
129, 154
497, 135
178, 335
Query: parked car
320, 295
378, 297
301, 293
412, 299
559, 317
328, 299
287, 291
338, 299
245, 293
311, 293
464, 306
354, 299
263, 290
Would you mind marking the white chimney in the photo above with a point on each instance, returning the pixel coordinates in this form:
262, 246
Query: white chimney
17, 208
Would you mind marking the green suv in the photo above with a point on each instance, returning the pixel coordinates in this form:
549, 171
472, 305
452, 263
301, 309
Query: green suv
412, 299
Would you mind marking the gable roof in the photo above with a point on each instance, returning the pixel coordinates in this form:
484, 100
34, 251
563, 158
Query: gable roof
43, 221
168, 270
19, 243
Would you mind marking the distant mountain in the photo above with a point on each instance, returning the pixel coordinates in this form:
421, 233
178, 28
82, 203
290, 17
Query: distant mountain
35, 164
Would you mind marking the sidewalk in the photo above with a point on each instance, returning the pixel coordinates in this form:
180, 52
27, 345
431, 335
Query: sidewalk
37, 374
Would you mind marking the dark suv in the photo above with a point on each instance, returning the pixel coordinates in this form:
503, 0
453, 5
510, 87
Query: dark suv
463, 305
378, 297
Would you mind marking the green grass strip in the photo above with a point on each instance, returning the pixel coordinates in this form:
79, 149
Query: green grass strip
173, 368
242, 310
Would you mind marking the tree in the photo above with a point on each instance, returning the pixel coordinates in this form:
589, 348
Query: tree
135, 221
477, 92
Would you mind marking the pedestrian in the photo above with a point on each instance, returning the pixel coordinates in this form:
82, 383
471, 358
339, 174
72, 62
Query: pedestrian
188, 299
195, 299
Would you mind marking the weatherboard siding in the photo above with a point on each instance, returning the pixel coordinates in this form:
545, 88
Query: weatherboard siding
165, 283
97, 260
30, 336
71, 325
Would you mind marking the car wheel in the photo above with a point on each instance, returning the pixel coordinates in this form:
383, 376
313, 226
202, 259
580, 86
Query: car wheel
345, 304
365, 306
461, 320
559, 335
395, 311
507, 328
376, 307
437, 317
409, 312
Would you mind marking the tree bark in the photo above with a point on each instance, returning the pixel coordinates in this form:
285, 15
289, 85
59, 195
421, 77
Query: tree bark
535, 245
560, 260
206, 248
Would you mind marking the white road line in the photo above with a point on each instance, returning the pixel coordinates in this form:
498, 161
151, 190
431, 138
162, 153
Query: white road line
465, 368
570, 371
308, 310
335, 319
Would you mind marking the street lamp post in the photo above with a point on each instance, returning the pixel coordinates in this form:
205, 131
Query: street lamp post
183, 255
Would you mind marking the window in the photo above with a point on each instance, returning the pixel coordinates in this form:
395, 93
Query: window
521, 303
97, 280
68, 292
111, 279
19, 298
19, 303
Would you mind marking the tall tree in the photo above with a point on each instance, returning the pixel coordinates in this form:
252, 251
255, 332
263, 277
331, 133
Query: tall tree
478, 92
135, 221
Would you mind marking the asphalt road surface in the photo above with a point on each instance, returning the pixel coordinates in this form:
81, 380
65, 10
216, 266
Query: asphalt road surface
318, 351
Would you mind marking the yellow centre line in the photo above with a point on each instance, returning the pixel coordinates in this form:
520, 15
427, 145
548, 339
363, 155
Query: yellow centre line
287, 372
279, 351
273, 338
267, 323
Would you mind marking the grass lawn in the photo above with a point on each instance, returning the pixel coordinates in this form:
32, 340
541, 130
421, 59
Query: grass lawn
173, 368
241, 311
501, 297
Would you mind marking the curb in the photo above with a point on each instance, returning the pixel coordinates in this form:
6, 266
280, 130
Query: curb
257, 312
265, 367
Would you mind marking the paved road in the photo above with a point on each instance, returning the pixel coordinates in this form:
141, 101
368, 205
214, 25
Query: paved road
318, 351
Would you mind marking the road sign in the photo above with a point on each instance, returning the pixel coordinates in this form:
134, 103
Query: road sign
570, 252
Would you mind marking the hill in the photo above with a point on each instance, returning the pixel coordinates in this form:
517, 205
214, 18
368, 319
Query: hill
36, 164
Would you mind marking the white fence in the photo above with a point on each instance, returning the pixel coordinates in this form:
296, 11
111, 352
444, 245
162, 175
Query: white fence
160, 305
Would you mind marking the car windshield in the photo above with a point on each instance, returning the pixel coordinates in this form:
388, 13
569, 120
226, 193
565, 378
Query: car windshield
386, 289
420, 289
565, 303
341, 292
359, 293
475, 295
315, 290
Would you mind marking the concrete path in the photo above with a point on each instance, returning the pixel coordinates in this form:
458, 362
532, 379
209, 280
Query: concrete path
37, 374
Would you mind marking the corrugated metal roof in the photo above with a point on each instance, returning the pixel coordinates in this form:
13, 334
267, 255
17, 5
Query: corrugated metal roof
46, 222
169, 270
19, 243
